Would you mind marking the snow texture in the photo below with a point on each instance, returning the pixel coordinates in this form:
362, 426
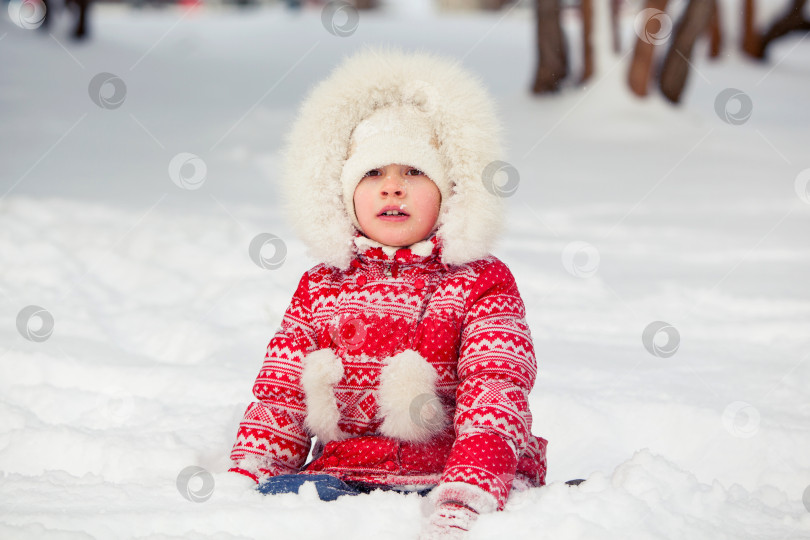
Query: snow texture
626, 213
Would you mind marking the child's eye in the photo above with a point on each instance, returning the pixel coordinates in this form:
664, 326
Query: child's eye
415, 172
372, 172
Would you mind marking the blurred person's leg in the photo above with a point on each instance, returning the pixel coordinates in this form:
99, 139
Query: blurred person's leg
47, 20
82, 7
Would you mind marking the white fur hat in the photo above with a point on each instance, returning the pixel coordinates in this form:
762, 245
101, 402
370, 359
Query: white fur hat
420, 93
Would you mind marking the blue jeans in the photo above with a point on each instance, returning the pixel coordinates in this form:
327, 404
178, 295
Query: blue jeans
328, 487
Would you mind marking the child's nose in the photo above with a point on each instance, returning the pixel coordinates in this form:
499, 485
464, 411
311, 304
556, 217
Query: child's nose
393, 184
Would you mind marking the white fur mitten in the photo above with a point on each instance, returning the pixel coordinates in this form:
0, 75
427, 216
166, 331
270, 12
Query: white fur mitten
449, 521
456, 506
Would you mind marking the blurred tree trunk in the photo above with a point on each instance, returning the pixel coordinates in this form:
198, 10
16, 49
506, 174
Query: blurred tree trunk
587, 43
675, 69
715, 33
751, 40
791, 21
614, 25
588, 57
552, 65
641, 64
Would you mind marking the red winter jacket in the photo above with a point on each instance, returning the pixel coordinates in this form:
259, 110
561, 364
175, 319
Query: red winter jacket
409, 372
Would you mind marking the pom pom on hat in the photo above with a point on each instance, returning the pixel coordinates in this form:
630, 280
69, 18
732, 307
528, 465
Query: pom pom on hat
398, 134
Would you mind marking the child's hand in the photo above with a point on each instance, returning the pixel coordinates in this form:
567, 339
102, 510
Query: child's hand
449, 521
456, 507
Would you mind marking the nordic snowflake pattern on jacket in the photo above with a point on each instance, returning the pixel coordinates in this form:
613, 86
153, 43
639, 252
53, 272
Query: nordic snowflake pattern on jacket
408, 371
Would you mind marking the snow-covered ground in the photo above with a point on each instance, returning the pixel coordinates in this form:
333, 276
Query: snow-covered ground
627, 213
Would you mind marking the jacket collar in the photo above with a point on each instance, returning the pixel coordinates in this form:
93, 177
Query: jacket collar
426, 251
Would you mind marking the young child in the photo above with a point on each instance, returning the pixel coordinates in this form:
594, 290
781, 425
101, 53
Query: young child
405, 352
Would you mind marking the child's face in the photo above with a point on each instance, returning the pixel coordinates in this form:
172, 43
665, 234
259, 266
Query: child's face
401, 188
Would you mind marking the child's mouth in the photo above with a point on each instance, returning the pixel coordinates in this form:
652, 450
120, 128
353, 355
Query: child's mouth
393, 215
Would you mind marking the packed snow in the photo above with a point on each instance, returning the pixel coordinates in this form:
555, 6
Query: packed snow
661, 251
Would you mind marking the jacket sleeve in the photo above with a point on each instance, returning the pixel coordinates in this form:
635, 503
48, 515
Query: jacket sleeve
496, 370
272, 439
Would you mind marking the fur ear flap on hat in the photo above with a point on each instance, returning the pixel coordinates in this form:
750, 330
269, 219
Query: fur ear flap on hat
460, 114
